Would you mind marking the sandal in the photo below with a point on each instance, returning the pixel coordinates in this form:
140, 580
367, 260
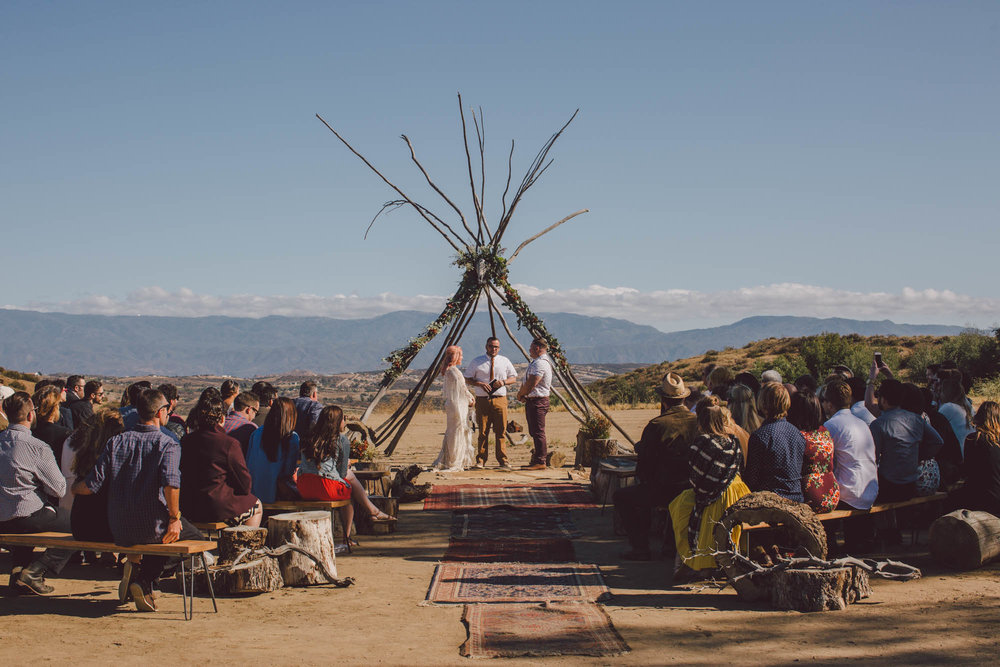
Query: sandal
380, 516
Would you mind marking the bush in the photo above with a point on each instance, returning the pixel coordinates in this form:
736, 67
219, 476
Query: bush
595, 427
988, 389
976, 354
821, 353
790, 367
17, 385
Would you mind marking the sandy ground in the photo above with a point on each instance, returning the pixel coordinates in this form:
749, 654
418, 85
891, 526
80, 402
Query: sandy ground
943, 617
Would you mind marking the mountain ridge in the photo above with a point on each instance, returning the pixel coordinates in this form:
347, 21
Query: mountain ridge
123, 345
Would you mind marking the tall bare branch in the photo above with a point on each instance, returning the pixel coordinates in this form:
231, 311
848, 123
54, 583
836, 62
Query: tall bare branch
468, 161
413, 156
421, 210
546, 231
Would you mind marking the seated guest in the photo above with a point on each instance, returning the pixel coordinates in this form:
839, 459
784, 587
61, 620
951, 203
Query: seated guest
747, 379
216, 480
175, 424
719, 380
130, 398
65, 415
273, 454
806, 384
207, 392
661, 469
307, 407
76, 399
142, 470
714, 467
89, 514
47, 428
770, 375
898, 436
929, 472
29, 478
953, 404
774, 456
732, 428
324, 462
858, 408
230, 390
853, 449
819, 485
239, 421
266, 392
949, 457
742, 406
981, 490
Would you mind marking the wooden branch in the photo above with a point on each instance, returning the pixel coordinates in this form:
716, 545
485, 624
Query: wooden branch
468, 161
546, 231
510, 162
413, 156
402, 194
481, 135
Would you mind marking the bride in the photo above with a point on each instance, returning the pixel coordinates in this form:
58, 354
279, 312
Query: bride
457, 450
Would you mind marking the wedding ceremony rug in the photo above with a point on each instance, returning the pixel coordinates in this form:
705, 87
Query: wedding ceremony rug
514, 630
510, 551
513, 523
467, 496
456, 583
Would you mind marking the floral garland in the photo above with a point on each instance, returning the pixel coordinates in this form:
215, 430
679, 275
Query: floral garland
482, 266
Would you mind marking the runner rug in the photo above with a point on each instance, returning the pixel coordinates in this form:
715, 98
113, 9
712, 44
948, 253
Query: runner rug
456, 583
510, 551
511, 523
513, 630
467, 496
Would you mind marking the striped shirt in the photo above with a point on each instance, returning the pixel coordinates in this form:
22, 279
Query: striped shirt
28, 473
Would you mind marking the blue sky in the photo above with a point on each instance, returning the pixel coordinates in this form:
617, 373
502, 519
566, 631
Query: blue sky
823, 159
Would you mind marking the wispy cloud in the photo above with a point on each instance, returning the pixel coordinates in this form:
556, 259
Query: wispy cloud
665, 309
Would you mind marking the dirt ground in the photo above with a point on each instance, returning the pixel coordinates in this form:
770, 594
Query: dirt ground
943, 617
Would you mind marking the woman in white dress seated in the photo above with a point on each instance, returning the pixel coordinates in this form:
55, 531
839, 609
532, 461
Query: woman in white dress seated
457, 450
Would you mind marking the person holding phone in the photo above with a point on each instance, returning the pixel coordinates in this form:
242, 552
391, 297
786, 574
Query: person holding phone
489, 375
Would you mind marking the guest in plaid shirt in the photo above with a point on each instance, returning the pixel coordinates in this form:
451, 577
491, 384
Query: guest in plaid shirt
29, 479
239, 423
142, 470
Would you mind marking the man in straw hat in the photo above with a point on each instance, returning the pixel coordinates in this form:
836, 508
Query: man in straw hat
662, 468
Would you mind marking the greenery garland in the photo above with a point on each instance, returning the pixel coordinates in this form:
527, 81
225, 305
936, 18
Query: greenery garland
482, 266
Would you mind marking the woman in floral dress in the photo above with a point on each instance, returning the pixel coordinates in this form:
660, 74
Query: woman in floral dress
819, 487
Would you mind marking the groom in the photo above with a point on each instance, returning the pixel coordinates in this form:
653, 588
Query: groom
489, 375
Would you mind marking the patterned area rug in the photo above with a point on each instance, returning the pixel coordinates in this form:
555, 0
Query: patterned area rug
516, 582
511, 523
510, 551
513, 630
467, 496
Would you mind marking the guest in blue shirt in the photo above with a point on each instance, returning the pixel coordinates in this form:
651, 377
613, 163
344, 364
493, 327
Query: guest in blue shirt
776, 449
273, 454
899, 436
142, 470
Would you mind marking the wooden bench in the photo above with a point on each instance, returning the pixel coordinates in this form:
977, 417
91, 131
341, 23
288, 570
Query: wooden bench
885, 507
210, 528
184, 548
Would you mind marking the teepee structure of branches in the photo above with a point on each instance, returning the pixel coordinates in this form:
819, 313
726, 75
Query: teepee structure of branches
484, 279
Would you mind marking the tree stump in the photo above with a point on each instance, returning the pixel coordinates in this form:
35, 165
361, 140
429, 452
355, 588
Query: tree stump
233, 541
311, 531
965, 539
255, 576
555, 459
797, 519
816, 590
405, 490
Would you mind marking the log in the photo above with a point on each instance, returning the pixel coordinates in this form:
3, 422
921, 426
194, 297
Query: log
405, 490
311, 531
233, 541
255, 576
817, 590
806, 531
964, 539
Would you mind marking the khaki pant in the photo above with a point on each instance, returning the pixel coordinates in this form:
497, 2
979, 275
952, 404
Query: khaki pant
491, 412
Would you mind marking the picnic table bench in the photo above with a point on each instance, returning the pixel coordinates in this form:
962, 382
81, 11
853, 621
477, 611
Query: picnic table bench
184, 548
875, 509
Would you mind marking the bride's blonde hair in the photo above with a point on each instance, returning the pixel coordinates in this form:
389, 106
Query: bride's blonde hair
452, 354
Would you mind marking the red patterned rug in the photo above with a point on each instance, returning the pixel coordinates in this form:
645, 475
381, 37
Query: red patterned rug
510, 551
514, 630
496, 523
468, 496
456, 583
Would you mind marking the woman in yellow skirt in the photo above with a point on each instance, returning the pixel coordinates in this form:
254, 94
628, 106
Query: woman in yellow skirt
715, 461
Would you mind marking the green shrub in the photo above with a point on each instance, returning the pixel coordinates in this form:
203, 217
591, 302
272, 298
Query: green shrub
988, 389
790, 367
17, 385
821, 353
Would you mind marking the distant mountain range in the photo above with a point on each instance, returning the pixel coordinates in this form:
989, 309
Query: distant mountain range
246, 347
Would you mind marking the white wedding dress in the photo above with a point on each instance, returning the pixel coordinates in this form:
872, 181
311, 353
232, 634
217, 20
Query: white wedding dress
457, 450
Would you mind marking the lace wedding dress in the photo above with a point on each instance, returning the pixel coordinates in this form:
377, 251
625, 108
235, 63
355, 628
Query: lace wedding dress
457, 449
